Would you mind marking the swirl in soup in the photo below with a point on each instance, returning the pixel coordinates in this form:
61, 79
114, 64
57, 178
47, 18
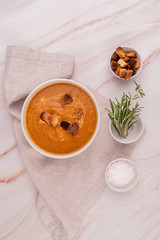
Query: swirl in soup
61, 118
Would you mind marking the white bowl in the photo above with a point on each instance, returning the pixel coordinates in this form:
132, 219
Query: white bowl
134, 132
126, 188
37, 89
127, 49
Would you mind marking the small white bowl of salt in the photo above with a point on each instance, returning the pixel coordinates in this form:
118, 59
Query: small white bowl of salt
121, 175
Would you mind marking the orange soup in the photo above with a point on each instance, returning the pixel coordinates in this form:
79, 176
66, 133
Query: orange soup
61, 118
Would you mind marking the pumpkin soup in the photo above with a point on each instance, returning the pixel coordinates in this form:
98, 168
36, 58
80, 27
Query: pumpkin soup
61, 118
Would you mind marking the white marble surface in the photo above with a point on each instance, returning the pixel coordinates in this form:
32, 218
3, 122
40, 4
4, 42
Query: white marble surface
90, 30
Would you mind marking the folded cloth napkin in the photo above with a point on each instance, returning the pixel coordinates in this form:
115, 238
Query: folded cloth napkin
67, 188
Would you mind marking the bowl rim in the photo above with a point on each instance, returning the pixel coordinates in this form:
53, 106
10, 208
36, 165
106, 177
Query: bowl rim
29, 97
139, 69
122, 189
127, 142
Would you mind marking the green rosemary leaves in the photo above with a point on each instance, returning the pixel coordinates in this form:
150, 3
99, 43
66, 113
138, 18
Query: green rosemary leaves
123, 113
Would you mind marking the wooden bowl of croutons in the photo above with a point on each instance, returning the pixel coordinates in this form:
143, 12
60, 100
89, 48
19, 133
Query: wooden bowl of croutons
125, 63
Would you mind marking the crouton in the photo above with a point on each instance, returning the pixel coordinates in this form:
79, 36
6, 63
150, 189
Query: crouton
128, 67
126, 59
134, 71
132, 62
129, 74
122, 63
66, 99
74, 129
65, 125
78, 114
50, 119
122, 73
120, 52
115, 57
117, 70
131, 54
113, 64
137, 64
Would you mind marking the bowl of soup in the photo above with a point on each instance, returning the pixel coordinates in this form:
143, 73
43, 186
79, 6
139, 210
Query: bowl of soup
60, 118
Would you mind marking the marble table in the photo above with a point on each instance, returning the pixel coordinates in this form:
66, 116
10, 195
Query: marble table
90, 30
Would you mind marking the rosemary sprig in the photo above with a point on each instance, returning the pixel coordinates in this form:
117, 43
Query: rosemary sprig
123, 114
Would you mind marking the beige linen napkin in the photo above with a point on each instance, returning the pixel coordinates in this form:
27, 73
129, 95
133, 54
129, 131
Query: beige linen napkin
67, 188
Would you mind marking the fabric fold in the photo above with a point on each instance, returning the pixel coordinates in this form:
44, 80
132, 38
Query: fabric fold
27, 68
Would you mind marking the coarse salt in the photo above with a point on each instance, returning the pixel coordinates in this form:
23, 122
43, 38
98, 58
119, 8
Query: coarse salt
121, 173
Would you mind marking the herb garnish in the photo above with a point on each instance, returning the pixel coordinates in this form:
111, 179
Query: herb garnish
123, 114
